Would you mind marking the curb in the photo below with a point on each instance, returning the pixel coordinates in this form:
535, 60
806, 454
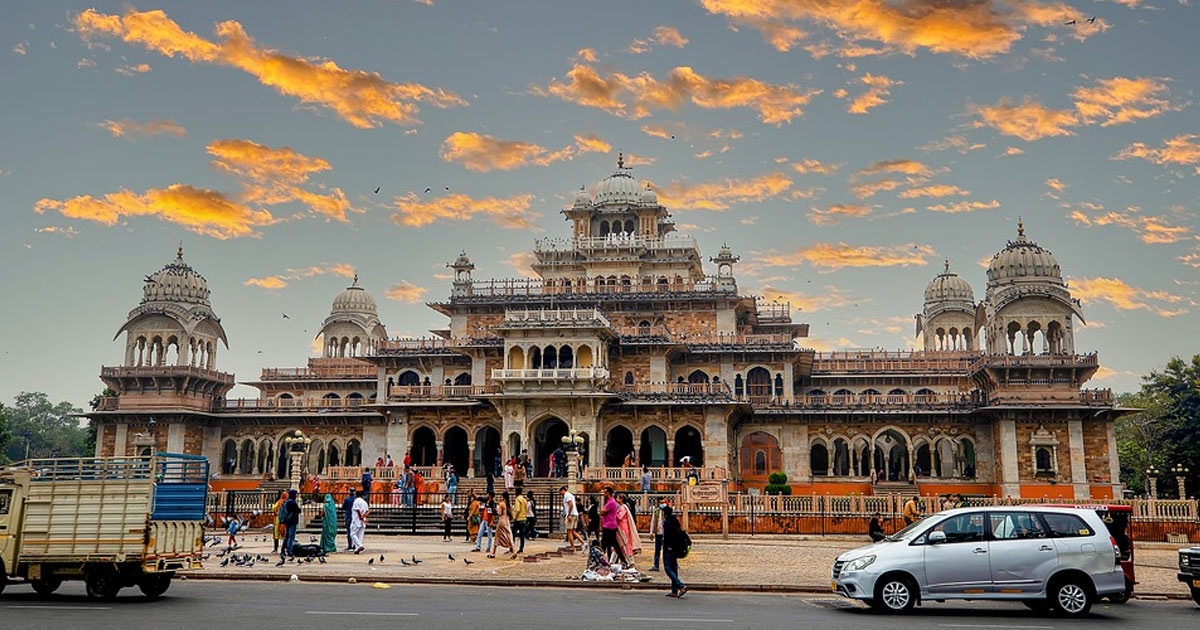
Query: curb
718, 587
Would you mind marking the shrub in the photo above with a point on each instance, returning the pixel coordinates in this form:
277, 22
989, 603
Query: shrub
778, 484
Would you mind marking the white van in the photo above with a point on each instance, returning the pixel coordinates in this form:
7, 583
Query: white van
1050, 559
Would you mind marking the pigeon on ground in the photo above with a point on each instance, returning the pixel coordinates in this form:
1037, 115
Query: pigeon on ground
225, 562
280, 563
415, 561
381, 557
467, 561
405, 562
451, 557
321, 559
370, 560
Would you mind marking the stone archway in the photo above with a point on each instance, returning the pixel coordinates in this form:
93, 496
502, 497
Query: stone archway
424, 447
891, 455
653, 450
617, 444
689, 443
546, 436
457, 450
487, 449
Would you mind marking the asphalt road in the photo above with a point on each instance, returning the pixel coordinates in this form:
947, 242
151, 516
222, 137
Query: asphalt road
323, 606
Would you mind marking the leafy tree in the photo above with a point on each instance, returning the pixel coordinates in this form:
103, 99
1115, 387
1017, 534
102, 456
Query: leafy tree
43, 429
1167, 432
90, 444
5, 435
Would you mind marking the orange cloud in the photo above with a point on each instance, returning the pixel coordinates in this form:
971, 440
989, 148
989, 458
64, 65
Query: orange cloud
1150, 229
632, 159
141, 68
1191, 259
834, 213
834, 256
66, 231
952, 143
1182, 149
636, 97
719, 195
1108, 102
879, 88
872, 188
934, 190
273, 176
665, 131
903, 166
1125, 297
973, 29
829, 298
126, 128
270, 283
963, 206
202, 211
1013, 151
816, 167
662, 35
407, 292
363, 99
511, 212
483, 153
279, 281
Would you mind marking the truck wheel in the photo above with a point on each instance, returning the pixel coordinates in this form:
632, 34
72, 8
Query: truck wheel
46, 587
3, 577
1071, 597
102, 582
153, 586
1195, 593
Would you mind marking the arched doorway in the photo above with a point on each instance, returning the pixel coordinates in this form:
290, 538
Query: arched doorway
758, 384
487, 447
617, 445
653, 451
424, 447
688, 443
457, 449
760, 455
698, 377
924, 461
547, 436
891, 455
513, 447
818, 459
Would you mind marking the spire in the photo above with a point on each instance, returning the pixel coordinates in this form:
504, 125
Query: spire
947, 266
620, 159
1020, 228
179, 252
355, 283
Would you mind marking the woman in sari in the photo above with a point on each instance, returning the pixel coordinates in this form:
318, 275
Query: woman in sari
279, 529
627, 534
504, 536
329, 526
473, 518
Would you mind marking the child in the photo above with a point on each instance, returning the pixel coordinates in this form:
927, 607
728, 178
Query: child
233, 527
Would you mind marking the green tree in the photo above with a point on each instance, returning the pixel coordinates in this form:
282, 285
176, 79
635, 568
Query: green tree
41, 428
5, 435
1167, 431
90, 444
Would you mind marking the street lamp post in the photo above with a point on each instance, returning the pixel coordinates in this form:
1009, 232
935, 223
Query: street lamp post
297, 444
1152, 481
572, 444
1181, 472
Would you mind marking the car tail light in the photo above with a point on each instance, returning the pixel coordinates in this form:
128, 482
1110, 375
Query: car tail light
1116, 549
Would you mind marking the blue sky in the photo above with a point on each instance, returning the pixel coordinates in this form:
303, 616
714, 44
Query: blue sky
844, 149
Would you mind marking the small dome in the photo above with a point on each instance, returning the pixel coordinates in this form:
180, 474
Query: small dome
1023, 260
649, 198
949, 287
354, 299
582, 199
176, 282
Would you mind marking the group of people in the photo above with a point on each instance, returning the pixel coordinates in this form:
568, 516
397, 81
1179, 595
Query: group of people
287, 520
502, 520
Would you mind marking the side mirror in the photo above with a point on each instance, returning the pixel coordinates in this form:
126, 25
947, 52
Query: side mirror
936, 538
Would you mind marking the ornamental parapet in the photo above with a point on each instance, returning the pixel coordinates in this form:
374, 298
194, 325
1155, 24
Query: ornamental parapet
1086, 361
555, 318
294, 405
904, 361
166, 371
322, 369
440, 392
691, 392
550, 374
613, 242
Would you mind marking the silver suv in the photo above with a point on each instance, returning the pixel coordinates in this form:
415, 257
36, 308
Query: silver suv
1050, 559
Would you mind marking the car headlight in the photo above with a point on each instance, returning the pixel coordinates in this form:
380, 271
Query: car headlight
858, 564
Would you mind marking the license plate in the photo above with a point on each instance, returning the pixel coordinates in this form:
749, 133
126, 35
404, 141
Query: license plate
1196, 583
833, 585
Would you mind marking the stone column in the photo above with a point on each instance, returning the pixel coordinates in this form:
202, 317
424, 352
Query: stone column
381, 390
479, 370
716, 437
175, 432
1078, 460
789, 393
1010, 480
374, 441
794, 453
441, 453
212, 450
471, 460
122, 436
658, 369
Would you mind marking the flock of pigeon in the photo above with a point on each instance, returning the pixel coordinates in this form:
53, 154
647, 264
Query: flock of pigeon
230, 559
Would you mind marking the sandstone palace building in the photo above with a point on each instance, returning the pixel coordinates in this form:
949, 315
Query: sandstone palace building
628, 337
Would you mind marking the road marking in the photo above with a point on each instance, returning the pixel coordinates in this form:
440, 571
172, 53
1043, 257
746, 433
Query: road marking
980, 625
676, 620
357, 612
31, 607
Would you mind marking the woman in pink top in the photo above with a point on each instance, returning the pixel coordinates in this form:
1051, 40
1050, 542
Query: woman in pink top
627, 533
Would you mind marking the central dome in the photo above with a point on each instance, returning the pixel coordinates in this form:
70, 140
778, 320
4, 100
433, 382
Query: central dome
619, 188
354, 299
1023, 260
176, 282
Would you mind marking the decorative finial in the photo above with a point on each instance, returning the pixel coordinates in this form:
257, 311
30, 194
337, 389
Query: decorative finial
620, 159
947, 266
179, 252
1020, 227
355, 283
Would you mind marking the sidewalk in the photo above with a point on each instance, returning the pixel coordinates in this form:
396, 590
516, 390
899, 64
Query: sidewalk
741, 563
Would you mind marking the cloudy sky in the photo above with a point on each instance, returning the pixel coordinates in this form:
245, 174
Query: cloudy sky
844, 149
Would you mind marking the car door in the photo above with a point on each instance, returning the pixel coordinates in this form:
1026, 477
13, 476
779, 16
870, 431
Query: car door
959, 565
1022, 552
1074, 540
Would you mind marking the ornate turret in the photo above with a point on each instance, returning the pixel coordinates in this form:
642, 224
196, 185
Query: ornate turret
353, 328
462, 267
947, 320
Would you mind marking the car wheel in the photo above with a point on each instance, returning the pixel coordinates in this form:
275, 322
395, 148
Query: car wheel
46, 587
102, 583
894, 594
1071, 598
153, 586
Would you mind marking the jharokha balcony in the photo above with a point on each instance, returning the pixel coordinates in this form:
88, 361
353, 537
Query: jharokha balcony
1084, 361
554, 317
166, 371
675, 392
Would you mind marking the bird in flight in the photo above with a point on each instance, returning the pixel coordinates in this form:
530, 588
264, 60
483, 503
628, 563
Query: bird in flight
1092, 20
447, 188
1069, 23
377, 189
285, 316
428, 189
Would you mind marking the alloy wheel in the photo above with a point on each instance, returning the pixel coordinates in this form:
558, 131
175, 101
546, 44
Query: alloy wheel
1072, 599
896, 595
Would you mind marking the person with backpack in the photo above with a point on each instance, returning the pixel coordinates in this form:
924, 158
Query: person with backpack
676, 545
290, 520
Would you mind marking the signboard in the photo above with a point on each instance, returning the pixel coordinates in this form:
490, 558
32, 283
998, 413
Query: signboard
706, 493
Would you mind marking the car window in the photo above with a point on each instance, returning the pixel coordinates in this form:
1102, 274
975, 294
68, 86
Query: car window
1066, 525
1016, 526
961, 528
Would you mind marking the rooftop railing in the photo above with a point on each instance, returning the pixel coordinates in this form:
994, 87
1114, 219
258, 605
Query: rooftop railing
356, 370
893, 362
555, 315
771, 312
298, 405
614, 241
153, 371
549, 374
674, 391
439, 392
1090, 360
538, 287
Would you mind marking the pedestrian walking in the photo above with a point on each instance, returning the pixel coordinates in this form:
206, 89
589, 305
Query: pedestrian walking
452, 484
366, 485
491, 483
447, 517
358, 522
519, 507
278, 530
232, 528
675, 546
504, 534
518, 476
646, 479
570, 513
474, 517
510, 472
656, 528
592, 532
530, 516
348, 516
329, 526
487, 515
609, 523
627, 533
291, 520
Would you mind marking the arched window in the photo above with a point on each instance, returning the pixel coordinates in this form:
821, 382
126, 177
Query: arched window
644, 326
566, 358
698, 376
463, 379
629, 378
229, 457
760, 462
535, 357
409, 378
604, 228
1044, 462
897, 392
760, 454
550, 358
516, 358
779, 386
629, 226
841, 457
353, 453
585, 357
758, 383
818, 459
739, 385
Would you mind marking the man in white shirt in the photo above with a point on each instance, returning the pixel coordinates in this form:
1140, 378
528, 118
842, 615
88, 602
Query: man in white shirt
570, 517
358, 521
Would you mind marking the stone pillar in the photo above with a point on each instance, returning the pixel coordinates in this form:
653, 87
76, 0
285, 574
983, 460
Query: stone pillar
441, 453
374, 442
175, 432
716, 437
122, 436
1010, 480
479, 370
658, 369
438, 375
793, 446
471, 460
212, 450
1078, 460
789, 394
381, 390
395, 436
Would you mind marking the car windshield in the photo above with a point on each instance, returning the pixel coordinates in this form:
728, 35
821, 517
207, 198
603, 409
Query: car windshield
906, 532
